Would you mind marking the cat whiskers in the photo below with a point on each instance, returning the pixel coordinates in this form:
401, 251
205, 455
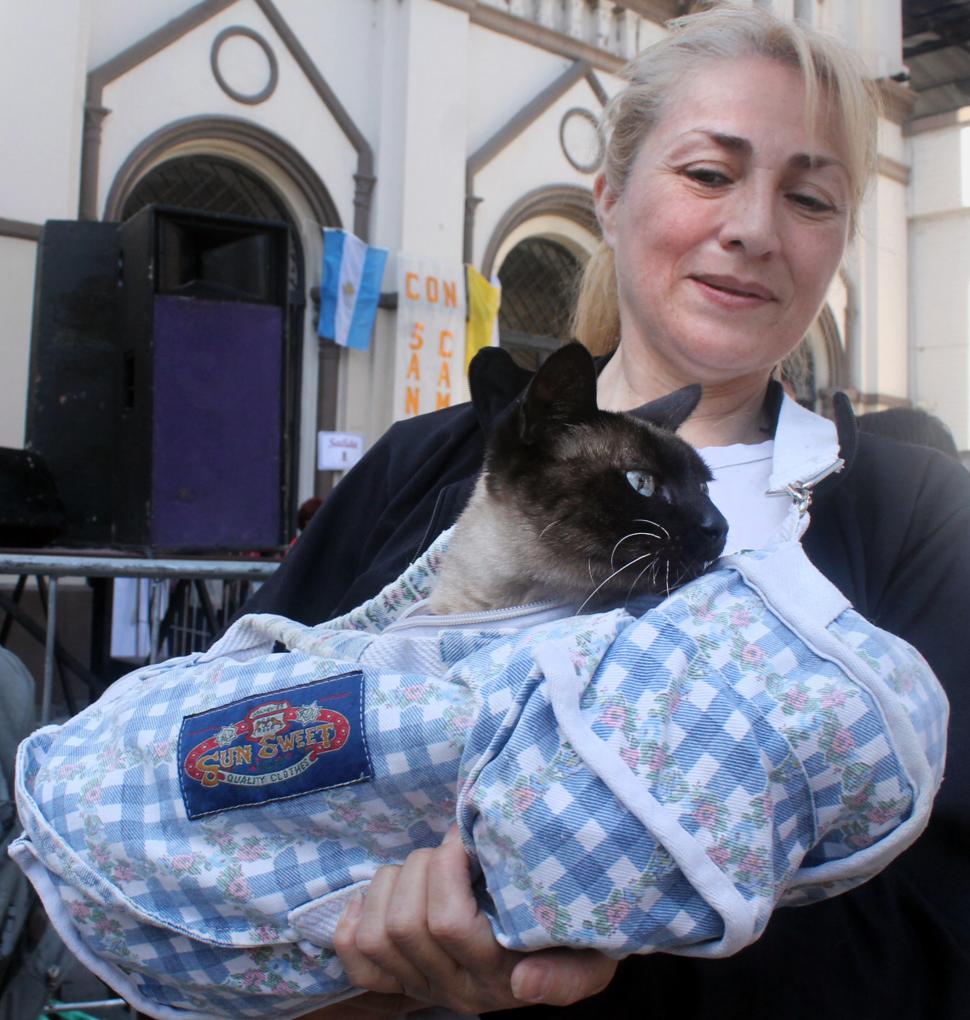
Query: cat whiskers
606, 580
652, 565
688, 571
634, 534
653, 524
548, 526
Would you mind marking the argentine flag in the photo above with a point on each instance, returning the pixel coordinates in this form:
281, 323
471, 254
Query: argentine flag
352, 273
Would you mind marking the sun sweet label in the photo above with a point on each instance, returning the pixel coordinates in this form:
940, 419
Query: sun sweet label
274, 746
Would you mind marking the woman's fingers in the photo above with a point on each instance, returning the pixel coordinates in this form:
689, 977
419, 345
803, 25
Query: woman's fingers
419, 932
393, 931
453, 915
558, 977
383, 941
409, 929
362, 971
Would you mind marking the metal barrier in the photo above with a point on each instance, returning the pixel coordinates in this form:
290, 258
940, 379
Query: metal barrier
56, 566
53, 567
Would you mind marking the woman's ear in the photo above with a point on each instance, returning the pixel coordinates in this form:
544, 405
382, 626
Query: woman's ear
605, 202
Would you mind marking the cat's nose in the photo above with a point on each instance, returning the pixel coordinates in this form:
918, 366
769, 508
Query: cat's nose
713, 526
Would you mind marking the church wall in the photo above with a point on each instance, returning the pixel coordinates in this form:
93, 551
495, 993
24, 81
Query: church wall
428, 83
939, 282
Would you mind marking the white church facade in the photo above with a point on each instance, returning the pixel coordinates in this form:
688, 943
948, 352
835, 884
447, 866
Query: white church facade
456, 130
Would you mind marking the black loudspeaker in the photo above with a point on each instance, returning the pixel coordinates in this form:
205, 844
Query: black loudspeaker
75, 379
157, 379
31, 513
199, 463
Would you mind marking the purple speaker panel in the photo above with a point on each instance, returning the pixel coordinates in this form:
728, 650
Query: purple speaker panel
216, 444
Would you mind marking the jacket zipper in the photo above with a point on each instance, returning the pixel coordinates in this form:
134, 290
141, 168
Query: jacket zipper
464, 619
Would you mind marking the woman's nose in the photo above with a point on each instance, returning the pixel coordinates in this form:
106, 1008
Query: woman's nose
750, 221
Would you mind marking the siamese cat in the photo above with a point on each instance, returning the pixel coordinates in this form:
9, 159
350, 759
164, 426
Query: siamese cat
579, 504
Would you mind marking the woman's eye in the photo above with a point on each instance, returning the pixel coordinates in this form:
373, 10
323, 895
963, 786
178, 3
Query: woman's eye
811, 203
708, 177
641, 482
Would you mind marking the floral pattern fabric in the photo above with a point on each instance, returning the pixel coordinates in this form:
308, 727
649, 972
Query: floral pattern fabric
720, 759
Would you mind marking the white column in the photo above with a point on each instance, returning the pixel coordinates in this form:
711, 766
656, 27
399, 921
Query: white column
939, 246
420, 195
881, 28
42, 77
43, 51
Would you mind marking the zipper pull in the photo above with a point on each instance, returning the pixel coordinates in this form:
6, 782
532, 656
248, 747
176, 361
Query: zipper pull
801, 495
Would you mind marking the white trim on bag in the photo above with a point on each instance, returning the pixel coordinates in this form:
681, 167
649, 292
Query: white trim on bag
565, 689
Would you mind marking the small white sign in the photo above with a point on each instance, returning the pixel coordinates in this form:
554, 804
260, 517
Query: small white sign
338, 451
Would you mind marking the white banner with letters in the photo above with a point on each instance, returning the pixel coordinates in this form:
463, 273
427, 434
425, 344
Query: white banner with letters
430, 365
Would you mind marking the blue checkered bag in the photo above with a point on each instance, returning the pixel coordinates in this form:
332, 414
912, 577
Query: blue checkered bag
628, 782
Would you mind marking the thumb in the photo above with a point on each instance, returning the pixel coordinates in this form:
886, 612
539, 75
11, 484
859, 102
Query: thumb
561, 977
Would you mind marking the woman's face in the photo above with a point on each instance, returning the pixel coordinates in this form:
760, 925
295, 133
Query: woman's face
732, 223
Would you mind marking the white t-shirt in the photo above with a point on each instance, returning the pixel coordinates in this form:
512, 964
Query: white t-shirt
740, 491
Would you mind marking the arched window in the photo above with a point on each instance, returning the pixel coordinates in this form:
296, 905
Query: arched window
538, 278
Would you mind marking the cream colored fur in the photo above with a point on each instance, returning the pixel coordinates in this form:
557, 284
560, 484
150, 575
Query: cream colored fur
472, 576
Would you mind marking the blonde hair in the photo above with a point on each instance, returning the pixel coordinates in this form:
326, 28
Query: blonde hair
828, 69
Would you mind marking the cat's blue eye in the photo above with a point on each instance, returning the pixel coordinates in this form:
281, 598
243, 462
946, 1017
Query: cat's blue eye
704, 488
641, 482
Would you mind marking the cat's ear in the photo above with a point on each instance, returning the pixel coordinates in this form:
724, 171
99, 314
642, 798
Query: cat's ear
671, 411
563, 389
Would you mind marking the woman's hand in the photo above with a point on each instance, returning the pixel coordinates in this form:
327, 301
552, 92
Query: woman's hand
419, 933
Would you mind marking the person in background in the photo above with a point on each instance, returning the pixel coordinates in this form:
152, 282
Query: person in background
910, 425
736, 158
303, 516
307, 509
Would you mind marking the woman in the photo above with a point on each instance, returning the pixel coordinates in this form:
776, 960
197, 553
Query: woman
736, 161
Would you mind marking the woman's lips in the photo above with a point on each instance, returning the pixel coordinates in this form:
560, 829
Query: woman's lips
733, 293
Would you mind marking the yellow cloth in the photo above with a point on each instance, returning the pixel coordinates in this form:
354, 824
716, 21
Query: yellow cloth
483, 303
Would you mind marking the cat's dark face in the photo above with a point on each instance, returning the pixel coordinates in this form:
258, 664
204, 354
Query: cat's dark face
618, 502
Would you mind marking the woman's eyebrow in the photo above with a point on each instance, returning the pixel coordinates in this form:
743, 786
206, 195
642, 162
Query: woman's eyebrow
806, 161
698, 135
732, 142
735, 143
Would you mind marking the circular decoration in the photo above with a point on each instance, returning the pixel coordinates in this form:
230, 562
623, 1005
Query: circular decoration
241, 66
580, 139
